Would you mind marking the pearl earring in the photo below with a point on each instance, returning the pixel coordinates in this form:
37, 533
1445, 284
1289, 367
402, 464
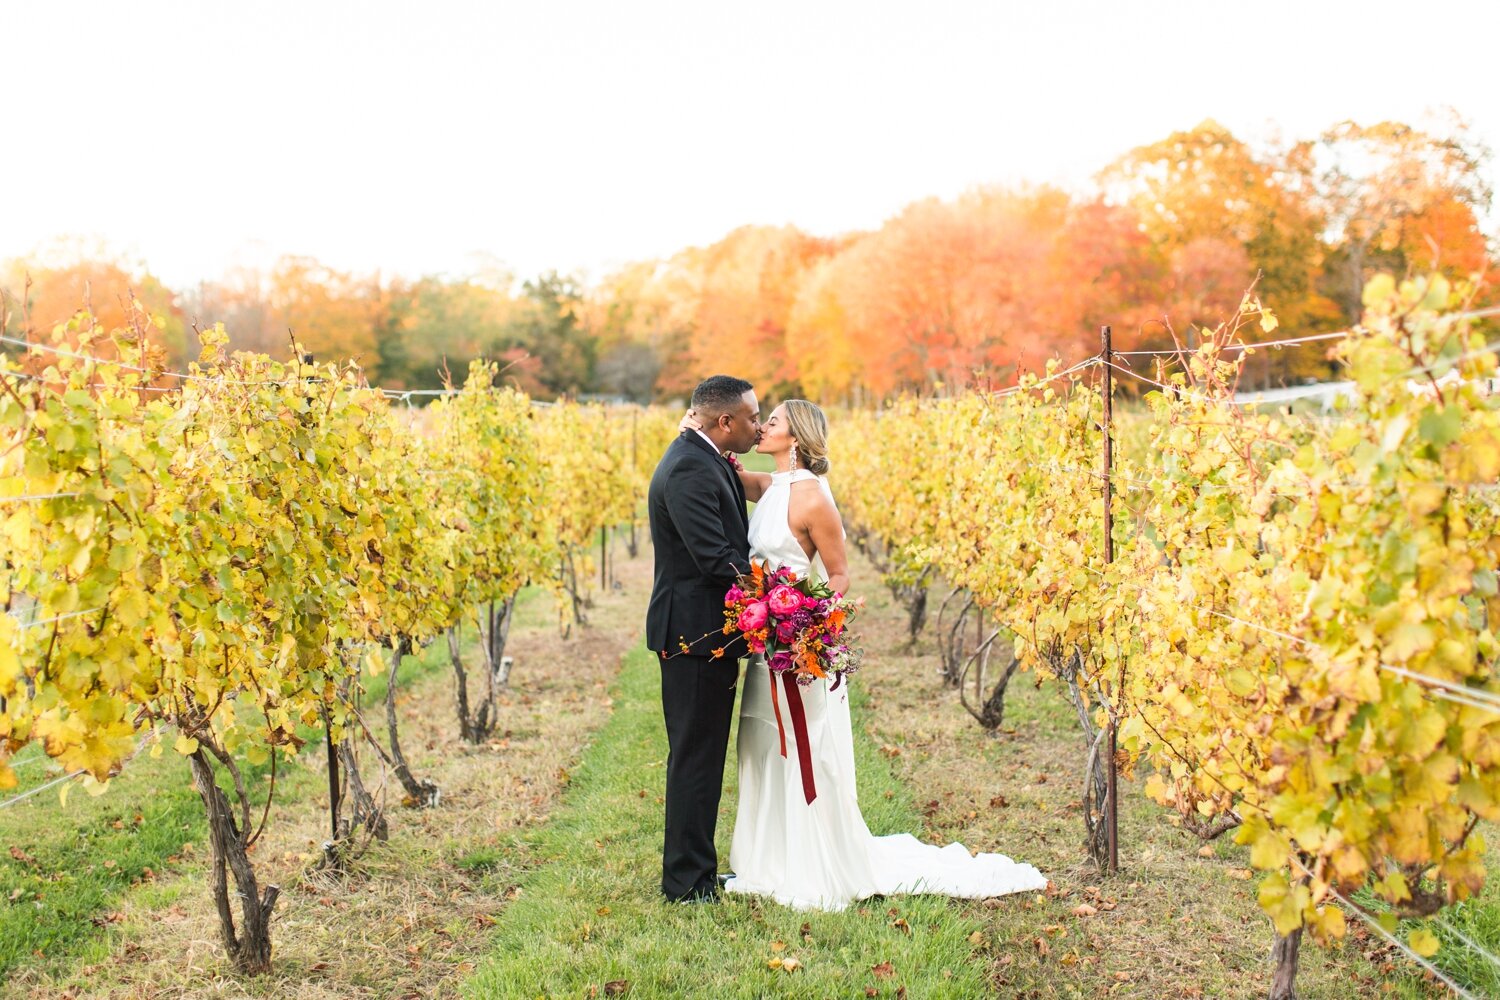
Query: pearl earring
794, 457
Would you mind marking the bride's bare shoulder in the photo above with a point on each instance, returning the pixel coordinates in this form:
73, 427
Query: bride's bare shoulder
810, 499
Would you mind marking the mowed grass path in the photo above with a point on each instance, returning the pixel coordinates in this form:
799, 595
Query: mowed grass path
591, 913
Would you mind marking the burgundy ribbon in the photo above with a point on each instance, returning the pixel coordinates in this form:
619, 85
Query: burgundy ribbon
799, 729
776, 707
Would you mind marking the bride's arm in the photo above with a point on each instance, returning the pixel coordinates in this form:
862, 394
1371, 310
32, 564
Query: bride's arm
827, 533
755, 483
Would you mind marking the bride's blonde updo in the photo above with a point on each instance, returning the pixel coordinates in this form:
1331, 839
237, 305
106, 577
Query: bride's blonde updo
807, 424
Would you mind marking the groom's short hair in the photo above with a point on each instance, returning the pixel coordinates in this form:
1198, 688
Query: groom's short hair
719, 394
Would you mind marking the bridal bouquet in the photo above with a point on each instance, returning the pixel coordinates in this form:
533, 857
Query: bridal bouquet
799, 624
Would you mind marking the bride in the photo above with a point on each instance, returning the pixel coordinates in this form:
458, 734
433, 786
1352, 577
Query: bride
820, 854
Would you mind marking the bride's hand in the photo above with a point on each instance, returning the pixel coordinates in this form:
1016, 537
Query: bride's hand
689, 422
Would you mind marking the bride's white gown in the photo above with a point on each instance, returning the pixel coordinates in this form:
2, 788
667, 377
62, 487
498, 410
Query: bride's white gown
822, 855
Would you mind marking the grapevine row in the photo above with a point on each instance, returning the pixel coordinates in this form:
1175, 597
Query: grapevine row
1296, 635
222, 560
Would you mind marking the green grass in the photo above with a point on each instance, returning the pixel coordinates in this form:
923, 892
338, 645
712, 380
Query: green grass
66, 864
756, 462
591, 911
1477, 919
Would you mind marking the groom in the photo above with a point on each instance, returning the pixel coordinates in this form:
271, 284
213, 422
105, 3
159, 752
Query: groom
698, 529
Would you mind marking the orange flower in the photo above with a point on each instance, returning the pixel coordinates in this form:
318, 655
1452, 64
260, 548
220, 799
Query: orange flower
717, 653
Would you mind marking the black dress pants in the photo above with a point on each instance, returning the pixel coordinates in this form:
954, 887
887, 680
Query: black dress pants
697, 700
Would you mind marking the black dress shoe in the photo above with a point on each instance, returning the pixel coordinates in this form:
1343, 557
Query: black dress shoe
696, 896
725, 877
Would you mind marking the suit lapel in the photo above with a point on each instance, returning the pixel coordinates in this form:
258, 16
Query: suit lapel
738, 487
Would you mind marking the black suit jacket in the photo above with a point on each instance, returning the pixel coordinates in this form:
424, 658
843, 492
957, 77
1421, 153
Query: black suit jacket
699, 531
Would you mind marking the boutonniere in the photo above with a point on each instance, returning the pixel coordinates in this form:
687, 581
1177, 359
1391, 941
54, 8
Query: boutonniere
733, 462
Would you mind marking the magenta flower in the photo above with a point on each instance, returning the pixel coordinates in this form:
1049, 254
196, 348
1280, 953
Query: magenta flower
784, 600
780, 662
735, 595
786, 631
754, 616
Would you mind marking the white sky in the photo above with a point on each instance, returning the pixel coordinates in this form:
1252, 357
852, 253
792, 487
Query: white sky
410, 136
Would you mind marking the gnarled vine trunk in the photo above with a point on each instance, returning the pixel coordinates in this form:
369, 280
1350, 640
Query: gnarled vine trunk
987, 709
1096, 761
421, 793
477, 724
1284, 954
352, 809
248, 942
951, 635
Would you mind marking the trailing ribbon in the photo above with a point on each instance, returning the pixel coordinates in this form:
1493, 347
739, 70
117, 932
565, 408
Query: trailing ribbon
776, 707
799, 728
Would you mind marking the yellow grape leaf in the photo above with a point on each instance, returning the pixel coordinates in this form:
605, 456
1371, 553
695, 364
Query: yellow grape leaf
185, 745
1423, 942
1283, 903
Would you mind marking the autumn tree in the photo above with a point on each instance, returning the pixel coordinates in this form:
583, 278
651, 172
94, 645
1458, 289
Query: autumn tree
1397, 198
547, 327
432, 325
47, 290
750, 280
1206, 184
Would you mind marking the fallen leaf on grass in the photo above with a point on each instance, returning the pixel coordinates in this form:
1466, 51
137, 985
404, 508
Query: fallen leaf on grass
616, 987
1206, 851
1243, 874
884, 970
778, 946
978, 939
890, 751
1084, 910
999, 802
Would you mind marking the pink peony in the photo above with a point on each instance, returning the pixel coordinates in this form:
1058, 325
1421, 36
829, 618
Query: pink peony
808, 601
756, 646
786, 631
784, 600
754, 616
780, 662
735, 595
